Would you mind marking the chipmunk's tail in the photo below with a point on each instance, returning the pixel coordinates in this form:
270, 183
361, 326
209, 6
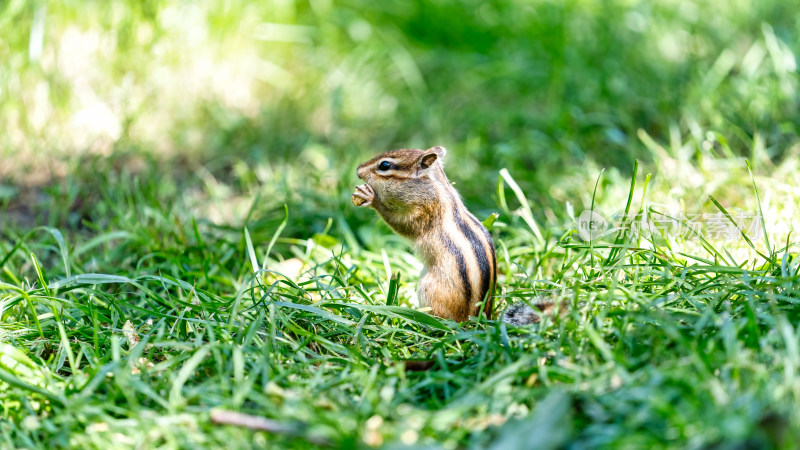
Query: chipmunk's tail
522, 313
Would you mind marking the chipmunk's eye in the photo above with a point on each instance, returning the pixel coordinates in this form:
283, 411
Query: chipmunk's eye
385, 165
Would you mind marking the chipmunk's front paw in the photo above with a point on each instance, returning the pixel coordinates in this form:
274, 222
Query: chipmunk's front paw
363, 195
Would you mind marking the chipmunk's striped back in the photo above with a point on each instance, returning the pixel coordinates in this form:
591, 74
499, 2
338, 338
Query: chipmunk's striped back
410, 190
481, 265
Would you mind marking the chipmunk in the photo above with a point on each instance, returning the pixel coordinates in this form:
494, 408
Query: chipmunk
410, 191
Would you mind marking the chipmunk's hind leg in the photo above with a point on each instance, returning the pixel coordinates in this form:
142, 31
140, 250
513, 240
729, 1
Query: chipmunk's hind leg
445, 300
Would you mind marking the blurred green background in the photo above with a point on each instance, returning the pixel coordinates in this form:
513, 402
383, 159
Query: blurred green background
292, 94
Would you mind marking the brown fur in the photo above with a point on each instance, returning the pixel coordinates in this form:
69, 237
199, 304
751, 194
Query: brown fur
416, 200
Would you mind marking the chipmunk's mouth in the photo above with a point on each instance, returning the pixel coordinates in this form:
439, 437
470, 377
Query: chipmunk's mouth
365, 177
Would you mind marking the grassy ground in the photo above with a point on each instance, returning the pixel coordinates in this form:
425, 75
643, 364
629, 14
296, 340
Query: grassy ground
177, 238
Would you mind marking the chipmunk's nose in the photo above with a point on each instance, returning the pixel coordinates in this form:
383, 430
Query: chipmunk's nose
360, 172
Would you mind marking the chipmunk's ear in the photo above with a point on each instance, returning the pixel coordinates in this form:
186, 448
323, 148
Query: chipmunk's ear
428, 159
439, 150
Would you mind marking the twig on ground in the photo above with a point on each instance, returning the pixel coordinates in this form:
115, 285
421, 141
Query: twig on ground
252, 422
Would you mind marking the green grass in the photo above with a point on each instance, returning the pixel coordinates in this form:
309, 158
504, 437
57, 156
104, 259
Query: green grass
177, 238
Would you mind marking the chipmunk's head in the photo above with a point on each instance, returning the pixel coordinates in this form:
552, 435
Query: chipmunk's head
406, 178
